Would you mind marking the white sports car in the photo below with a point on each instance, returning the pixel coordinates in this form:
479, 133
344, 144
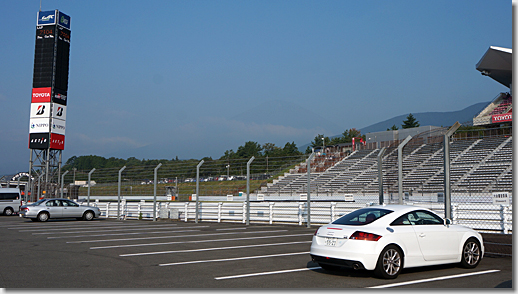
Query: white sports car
388, 238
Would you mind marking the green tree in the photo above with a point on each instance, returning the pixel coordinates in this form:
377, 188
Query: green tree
317, 141
354, 133
229, 154
290, 149
410, 122
393, 128
347, 136
71, 161
269, 149
249, 149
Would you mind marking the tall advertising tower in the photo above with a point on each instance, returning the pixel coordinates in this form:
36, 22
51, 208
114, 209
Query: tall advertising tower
49, 101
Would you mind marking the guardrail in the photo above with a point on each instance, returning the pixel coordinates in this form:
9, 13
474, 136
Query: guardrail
483, 218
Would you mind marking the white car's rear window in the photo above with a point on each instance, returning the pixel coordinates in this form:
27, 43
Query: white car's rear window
362, 216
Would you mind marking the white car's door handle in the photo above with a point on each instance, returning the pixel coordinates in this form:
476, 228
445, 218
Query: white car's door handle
422, 235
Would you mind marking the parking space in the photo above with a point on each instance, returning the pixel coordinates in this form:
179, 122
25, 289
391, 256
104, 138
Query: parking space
107, 253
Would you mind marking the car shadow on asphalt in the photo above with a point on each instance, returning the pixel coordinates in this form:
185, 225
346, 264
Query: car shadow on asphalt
349, 272
343, 271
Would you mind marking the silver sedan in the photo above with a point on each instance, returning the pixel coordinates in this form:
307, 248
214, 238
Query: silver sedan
44, 209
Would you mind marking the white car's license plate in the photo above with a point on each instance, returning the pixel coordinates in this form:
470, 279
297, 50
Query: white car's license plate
330, 242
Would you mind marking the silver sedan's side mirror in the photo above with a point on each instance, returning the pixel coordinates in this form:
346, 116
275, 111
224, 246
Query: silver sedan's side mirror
447, 221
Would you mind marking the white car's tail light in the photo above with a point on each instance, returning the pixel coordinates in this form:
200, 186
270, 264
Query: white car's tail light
358, 235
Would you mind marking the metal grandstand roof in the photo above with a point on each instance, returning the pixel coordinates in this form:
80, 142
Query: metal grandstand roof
497, 63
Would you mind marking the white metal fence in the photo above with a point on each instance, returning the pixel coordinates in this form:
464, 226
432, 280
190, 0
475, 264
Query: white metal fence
484, 218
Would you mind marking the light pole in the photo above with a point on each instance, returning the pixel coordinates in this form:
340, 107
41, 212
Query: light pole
63, 180
447, 185
119, 193
228, 171
154, 190
198, 188
89, 177
248, 190
323, 145
308, 164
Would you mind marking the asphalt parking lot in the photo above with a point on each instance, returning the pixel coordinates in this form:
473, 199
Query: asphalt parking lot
107, 253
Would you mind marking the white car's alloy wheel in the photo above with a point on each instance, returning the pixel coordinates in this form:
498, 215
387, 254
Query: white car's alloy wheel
471, 253
390, 263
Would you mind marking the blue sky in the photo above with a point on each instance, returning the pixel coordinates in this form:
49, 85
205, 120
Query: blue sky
160, 79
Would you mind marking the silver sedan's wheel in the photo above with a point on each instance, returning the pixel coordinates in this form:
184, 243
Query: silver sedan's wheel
471, 253
390, 263
43, 217
88, 216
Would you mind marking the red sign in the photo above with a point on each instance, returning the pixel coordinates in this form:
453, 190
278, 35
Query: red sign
57, 141
499, 118
40, 95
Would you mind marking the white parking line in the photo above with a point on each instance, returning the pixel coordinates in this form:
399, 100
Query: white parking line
174, 236
117, 234
197, 241
118, 229
210, 249
434, 279
233, 259
69, 228
33, 225
267, 273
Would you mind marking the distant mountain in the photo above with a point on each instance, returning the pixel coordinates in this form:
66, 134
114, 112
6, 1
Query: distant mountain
429, 118
424, 118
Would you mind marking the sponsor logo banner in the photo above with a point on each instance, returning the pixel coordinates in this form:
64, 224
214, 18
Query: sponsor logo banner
39, 125
501, 198
58, 126
59, 97
63, 20
59, 111
39, 141
40, 95
57, 141
46, 17
40, 110
498, 118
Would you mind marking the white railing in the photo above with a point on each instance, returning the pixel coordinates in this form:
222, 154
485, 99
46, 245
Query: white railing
486, 218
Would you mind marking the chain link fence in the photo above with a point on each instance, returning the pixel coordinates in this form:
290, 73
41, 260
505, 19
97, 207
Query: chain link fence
315, 188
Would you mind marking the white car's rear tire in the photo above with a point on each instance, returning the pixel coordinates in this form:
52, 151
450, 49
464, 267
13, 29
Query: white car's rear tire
390, 263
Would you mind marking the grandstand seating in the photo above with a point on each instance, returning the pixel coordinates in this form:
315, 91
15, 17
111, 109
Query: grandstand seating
503, 103
503, 107
477, 165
